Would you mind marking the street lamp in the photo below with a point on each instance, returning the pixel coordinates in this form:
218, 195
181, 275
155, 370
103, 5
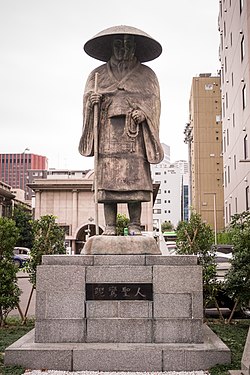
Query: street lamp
215, 217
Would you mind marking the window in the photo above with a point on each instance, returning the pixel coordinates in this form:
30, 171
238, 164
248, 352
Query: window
242, 48
156, 211
217, 118
157, 173
236, 205
228, 174
245, 147
232, 78
233, 120
244, 97
241, 5
234, 161
247, 198
231, 39
158, 201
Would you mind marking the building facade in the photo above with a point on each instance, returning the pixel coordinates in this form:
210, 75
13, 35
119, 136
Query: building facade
14, 169
204, 136
71, 201
169, 203
234, 54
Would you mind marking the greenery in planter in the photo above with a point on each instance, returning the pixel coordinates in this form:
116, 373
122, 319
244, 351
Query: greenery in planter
11, 332
234, 336
48, 240
121, 222
9, 291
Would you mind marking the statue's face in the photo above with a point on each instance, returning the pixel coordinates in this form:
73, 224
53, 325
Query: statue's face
124, 47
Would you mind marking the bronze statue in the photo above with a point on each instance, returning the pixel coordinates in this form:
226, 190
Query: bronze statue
128, 99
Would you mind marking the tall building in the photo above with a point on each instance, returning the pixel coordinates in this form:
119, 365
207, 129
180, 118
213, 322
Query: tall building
234, 28
204, 135
14, 169
171, 202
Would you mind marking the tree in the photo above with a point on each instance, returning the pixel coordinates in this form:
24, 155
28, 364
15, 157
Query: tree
9, 290
196, 237
23, 221
167, 226
237, 281
48, 240
121, 222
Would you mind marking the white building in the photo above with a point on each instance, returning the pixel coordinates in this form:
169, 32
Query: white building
169, 203
234, 28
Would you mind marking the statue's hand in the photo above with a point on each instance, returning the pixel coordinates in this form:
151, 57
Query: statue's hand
138, 116
95, 98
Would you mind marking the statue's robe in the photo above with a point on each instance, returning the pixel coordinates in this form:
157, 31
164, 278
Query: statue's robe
125, 150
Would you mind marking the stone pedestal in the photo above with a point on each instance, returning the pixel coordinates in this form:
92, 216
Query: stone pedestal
119, 313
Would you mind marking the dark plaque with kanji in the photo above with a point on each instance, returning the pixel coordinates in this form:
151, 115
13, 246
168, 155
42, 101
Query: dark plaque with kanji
117, 291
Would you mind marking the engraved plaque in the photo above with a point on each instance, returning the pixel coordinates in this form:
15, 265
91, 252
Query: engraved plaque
118, 291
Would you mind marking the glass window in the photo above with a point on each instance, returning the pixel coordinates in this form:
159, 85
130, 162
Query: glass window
244, 97
247, 198
245, 145
242, 48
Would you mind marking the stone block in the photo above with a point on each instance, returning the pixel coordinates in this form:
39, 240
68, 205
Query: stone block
197, 305
119, 274
60, 330
245, 361
171, 260
68, 260
114, 260
120, 358
52, 277
122, 245
36, 356
64, 305
177, 305
178, 331
135, 309
119, 330
174, 279
102, 309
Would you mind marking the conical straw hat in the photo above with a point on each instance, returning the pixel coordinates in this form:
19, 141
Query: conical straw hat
100, 46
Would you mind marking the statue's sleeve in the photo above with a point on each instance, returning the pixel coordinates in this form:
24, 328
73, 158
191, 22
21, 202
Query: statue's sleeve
86, 144
151, 106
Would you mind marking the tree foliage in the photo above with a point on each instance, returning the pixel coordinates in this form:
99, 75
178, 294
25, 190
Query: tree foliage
121, 222
9, 290
48, 240
167, 226
23, 221
196, 237
237, 282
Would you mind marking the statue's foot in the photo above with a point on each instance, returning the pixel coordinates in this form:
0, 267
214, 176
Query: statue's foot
110, 230
134, 230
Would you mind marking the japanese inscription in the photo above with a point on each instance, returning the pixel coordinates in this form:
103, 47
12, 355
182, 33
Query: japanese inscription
117, 291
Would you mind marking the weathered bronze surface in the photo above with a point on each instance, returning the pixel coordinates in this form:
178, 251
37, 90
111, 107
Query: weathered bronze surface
128, 99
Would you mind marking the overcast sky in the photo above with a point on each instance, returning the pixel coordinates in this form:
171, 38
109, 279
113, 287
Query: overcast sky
44, 68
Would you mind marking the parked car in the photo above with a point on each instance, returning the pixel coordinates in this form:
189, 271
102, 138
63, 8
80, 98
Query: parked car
21, 256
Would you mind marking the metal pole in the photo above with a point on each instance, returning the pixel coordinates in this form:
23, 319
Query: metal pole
96, 159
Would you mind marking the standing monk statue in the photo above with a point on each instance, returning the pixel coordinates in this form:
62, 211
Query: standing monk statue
128, 99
